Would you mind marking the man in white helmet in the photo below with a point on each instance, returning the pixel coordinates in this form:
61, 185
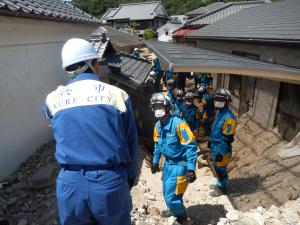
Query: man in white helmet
96, 142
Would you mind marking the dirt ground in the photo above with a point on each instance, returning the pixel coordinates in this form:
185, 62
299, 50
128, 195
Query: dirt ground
259, 176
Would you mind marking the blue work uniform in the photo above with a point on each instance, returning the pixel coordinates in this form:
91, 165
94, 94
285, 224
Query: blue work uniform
176, 142
169, 75
189, 114
157, 70
207, 111
221, 137
205, 80
178, 107
96, 146
196, 79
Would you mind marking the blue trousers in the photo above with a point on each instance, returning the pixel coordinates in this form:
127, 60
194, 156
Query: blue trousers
174, 186
93, 197
221, 167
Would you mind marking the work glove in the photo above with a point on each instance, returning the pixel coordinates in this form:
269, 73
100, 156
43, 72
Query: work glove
219, 157
191, 176
154, 168
209, 144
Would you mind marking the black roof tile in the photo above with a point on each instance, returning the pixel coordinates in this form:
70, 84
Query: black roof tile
129, 70
276, 22
45, 9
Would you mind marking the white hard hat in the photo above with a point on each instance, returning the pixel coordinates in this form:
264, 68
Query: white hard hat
152, 73
135, 49
77, 50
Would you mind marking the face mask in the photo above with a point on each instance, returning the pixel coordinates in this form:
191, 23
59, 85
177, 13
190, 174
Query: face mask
159, 113
189, 103
219, 105
179, 98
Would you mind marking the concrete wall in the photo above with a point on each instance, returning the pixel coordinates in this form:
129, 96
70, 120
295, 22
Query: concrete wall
266, 91
265, 102
30, 67
288, 55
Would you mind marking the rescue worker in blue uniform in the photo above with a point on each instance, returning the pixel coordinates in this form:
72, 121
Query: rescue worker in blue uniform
175, 141
221, 137
169, 75
205, 80
179, 103
136, 53
171, 90
190, 113
207, 112
96, 142
196, 79
158, 71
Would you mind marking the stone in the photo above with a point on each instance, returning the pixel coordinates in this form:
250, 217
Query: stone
22, 222
42, 178
232, 215
141, 210
260, 210
154, 212
257, 217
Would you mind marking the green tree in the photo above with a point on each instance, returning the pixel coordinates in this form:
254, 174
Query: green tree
149, 34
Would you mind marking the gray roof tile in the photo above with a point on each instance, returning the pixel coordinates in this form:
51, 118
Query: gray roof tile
45, 9
276, 22
222, 12
135, 11
184, 58
128, 70
119, 39
206, 9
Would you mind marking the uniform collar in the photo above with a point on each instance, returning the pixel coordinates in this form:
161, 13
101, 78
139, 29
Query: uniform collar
168, 124
84, 76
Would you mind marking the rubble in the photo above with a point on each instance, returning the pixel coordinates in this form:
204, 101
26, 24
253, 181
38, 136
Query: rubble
22, 202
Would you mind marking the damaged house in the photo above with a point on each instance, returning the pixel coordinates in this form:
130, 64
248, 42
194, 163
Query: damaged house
32, 35
267, 33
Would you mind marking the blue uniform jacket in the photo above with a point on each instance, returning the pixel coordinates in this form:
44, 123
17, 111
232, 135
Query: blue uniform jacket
175, 141
189, 114
205, 81
156, 66
93, 124
223, 130
169, 75
208, 107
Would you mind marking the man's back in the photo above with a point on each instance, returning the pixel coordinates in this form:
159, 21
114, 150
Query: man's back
90, 118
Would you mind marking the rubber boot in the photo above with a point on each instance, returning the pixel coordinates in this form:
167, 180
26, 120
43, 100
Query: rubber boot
166, 213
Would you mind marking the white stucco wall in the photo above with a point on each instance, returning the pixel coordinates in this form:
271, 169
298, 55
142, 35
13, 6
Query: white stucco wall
30, 67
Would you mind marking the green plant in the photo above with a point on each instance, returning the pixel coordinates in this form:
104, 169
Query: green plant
149, 34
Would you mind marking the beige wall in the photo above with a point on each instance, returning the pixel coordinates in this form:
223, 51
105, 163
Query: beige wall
30, 67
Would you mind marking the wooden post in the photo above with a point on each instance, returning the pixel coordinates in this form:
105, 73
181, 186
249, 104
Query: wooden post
243, 95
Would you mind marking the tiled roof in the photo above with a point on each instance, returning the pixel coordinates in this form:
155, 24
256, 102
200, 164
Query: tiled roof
128, 70
206, 9
276, 22
169, 26
109, 13
45, 9
221, 13
183, 58
101, 43
120, 40
138, 11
